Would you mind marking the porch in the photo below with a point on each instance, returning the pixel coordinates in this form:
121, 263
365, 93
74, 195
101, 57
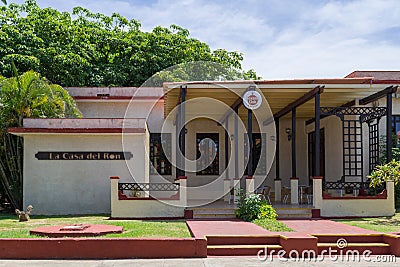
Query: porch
338, 121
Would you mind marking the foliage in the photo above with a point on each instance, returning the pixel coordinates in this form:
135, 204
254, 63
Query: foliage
273, 225
26, 96
386, 172
92, 49
252, 206
11, 228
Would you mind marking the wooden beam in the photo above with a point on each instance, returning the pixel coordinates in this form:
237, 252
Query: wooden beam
388, 90
234, 106
298, 102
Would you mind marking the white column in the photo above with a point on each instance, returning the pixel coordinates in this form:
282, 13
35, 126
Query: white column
183, 191
249, 184
114, 193
391, 195
278, 190
294, 190
227, 189
317, 192
236, 186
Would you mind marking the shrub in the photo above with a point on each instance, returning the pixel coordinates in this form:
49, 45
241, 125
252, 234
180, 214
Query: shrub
386, 172
252, 206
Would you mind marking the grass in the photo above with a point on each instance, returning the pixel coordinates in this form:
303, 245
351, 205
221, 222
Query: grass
11, 228
381, 224
273, 225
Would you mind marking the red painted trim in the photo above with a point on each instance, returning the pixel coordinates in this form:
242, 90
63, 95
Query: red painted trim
118, 97
189, 215
114, 177
76, 130
249, 177
102, 248
122, 196
181, 178
317, 177
386, 82
147, 218
315, 213
236, 179
362, 80
382, 195
294, 178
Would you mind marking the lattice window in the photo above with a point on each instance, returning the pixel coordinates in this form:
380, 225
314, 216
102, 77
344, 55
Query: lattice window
352, 149
373, 144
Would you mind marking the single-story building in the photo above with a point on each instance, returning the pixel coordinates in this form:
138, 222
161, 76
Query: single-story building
186, 144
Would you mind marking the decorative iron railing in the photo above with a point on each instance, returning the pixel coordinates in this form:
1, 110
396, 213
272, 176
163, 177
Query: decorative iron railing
353, 185
149, 186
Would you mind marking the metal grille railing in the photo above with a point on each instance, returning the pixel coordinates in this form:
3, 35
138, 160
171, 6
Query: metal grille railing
149, 186
353, 185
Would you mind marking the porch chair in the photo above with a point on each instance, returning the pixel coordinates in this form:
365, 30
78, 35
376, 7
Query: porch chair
285, 194
264, 192
231, 195
309, 194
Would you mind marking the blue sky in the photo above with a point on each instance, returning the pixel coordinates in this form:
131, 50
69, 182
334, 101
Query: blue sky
279, 38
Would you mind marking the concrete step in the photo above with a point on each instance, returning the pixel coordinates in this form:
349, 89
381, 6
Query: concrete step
213, 216
241, 250
212, 213
295, 213
213, 210
294, 216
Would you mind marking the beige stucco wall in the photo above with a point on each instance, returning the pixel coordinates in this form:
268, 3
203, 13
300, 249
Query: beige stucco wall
78, 187
151, 110
146, 208
353, 207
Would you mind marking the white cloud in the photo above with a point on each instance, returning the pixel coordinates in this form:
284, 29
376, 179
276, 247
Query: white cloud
280, 39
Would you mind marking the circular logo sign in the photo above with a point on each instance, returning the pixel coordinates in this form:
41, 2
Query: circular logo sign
252, 99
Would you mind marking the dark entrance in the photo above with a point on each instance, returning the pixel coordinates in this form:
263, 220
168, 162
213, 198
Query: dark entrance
311, 154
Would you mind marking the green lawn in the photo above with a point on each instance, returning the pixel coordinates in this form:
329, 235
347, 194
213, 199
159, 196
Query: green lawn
381, 224
11, 228
273, 225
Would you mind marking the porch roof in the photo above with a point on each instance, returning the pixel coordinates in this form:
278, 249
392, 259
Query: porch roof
279, 93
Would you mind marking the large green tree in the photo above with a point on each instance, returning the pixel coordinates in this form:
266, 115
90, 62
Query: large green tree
26, 96
88, 49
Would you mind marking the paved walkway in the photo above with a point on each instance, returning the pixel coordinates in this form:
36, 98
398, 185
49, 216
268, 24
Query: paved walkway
321, 226
201, 228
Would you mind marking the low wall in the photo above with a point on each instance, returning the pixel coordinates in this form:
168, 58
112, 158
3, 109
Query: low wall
147, 207
381, 205
101, 248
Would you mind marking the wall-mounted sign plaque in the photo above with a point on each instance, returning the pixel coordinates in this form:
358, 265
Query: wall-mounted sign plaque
97, 155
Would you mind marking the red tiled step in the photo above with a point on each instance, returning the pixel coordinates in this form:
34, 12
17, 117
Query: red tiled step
242, 240
356, 238
242, 250
375, 248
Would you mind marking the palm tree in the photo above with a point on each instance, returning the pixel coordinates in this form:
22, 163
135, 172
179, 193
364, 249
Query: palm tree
4, 1
26, 96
